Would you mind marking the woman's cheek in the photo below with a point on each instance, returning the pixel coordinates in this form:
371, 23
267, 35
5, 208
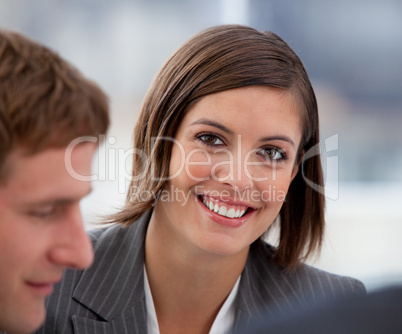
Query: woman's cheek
198, 165
274, 190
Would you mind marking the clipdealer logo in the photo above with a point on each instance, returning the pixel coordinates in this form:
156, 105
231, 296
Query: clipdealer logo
113, 164
330, 164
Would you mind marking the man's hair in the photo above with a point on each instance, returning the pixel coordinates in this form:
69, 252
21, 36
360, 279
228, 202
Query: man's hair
44, 101
5, 139
217, 59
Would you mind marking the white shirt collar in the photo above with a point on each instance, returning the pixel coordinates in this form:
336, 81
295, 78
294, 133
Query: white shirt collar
223, 323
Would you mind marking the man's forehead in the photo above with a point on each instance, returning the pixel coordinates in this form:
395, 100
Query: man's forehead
42, 176
6, 167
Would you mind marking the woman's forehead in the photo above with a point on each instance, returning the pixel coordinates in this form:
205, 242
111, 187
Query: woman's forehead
265, 109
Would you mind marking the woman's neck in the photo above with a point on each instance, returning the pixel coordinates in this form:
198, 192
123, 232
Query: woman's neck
188, 285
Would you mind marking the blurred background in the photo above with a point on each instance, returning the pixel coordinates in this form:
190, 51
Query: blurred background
352, 51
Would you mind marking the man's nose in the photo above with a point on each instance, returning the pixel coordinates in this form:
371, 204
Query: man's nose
72, 247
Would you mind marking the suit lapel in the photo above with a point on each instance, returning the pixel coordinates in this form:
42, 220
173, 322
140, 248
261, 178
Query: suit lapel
113, 287
126, 323
264, 290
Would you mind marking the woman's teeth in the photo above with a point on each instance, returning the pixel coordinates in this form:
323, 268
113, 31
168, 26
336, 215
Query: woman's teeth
224, 209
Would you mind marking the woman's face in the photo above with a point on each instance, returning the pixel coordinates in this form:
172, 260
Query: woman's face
233, 159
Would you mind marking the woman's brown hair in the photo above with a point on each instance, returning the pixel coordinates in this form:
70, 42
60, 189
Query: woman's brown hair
217, 59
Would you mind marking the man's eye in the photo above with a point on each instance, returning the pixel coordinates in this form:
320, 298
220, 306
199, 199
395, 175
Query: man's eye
210, 139
43, 212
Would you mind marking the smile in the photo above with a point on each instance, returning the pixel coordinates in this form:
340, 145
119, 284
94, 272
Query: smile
224, 209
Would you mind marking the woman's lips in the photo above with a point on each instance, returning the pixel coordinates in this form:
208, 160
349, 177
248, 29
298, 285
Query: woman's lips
224, 208
225, 213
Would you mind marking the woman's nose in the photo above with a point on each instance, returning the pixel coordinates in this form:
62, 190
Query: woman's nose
235, 173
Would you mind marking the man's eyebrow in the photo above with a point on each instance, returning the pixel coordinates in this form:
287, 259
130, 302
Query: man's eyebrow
61, 200
214, 124
279, 137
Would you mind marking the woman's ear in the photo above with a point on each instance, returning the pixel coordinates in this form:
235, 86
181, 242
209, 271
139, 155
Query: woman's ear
297, 164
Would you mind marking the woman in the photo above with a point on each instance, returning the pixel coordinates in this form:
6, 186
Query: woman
220, 144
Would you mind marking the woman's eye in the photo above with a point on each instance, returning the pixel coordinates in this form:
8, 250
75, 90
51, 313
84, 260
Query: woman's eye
273, 154
210, 139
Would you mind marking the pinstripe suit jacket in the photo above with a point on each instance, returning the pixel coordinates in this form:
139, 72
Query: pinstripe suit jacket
109, 296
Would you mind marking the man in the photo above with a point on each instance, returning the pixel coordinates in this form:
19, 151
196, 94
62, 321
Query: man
45, 104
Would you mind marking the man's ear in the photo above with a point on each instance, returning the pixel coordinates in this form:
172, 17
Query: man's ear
297, 165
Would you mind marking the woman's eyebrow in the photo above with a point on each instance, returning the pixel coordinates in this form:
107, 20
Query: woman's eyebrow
279, 137
227, 130
214, 124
